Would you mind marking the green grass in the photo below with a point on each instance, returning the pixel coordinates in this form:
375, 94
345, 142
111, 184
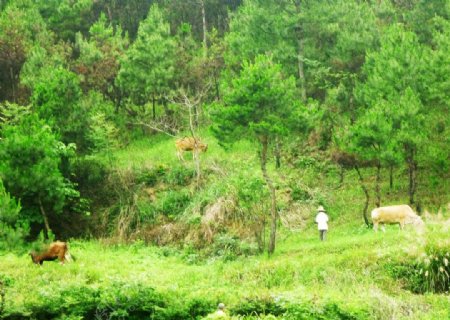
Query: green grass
349, 269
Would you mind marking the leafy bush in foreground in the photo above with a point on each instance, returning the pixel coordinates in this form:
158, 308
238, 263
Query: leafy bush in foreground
12, 229
294, 311
428, 273
115, 301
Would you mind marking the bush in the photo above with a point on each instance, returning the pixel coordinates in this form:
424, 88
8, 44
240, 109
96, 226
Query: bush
258, 306
13, 230
229, 247
91, 173
299, 194
329, 311
152, 177
428, 273
117, 300
174, 203
304, 311
179, 176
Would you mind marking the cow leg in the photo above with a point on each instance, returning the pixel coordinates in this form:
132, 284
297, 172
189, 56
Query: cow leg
375, 226
402, 225
383, 227
61, 257
180, 156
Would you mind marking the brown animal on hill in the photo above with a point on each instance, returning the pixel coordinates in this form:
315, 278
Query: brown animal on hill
189, 144
56, 250
401, 214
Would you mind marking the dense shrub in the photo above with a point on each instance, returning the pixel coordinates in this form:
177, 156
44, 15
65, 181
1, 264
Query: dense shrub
115, 301
174, 203
294, 311
259, 306
12, 230
90, 175
299, 194
152, 176
229, 247
428, 273
329, 311
179, 176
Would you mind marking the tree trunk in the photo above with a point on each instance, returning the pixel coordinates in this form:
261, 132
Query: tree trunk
277, 153
366, 193
117, 101
260, 226
412, 170
44, 216
12, 84
2, 298
391, 177
377, 185
205, 46
217, 87
300, 52
196, 121
154, 107
108, 9
273, 211
341, 176
193, 128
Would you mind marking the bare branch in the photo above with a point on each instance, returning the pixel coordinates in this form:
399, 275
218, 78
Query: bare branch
155, 127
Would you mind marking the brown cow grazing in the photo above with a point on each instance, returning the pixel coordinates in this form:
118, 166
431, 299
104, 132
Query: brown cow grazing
56, 250
189, 144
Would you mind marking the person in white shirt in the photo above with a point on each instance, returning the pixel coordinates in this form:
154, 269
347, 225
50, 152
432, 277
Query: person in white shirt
322, 222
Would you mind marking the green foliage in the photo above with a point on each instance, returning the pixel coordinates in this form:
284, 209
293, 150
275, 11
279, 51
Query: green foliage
148, 65
278, 307
16, 27
299, 194
57, 100
174, 203
257, 103
400, 63
259, 306
329, 311
154, 175
230, 247
67, 17
101, 133
31, 161
90, 174
428, 273
98, 62
116, 300
179, 176
246, 40
337, 36
250, 190
11, 113
421, 17
13, 230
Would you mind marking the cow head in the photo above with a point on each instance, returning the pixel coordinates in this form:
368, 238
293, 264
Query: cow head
33, 256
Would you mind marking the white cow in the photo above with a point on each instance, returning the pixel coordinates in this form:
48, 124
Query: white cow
401, 214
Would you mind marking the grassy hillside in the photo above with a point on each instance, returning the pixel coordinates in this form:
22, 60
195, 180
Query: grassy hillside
347, 277
355, 274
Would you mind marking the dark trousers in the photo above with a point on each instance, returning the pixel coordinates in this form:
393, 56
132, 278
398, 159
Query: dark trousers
323, 234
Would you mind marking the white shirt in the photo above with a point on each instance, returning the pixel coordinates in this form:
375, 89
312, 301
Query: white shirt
322, 220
